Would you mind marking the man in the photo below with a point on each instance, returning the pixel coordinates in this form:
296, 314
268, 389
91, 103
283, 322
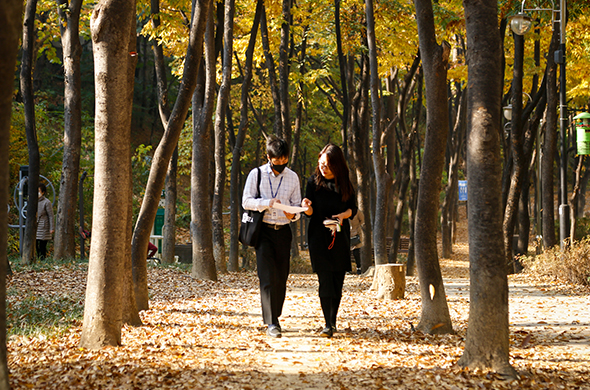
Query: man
278, 184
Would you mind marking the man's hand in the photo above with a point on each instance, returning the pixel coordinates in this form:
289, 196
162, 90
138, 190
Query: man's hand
289, 215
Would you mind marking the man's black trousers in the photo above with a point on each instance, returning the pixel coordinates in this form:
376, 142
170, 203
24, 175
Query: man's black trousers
272, 258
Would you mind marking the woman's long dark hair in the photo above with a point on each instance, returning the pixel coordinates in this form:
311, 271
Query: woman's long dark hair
337, 164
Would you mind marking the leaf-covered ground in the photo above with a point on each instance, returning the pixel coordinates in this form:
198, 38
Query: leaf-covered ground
209, 335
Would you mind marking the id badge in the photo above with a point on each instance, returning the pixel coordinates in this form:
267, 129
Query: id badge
274, 214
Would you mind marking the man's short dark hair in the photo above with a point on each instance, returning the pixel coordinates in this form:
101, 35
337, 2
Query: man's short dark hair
43, 188
277, 147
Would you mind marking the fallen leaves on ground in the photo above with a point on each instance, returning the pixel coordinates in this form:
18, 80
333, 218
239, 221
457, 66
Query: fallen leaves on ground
209, 335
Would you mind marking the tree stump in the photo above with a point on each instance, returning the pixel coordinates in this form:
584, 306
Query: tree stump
390, 281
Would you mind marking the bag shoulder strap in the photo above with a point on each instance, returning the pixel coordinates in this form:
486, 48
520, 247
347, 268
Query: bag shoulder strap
258, 183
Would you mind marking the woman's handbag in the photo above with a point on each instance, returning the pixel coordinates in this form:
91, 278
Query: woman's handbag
251, 222
355, 240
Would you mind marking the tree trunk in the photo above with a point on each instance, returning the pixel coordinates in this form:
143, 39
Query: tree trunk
130, 313
550, 149
378, 160
163, 153
220, 113
201, 225
450, 198
359, 143
574, 196
435, 316
342, 65
487, 341
412, 200
411, 79
65, 231
169, 227
516, 140
10, 19
272, 77
284, 71
26, 85
113, 37
235, 198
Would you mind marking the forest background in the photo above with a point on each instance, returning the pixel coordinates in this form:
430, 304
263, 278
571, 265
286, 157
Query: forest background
315, 90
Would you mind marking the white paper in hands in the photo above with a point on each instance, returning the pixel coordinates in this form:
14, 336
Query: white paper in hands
288, 209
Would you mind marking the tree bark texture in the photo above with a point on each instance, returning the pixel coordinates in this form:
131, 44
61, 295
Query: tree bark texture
272, 77
163, 153
342, 65
435, 316
220, 113
359, 143
517, 154
10, 20
450, 199
203, 266
406, 141
487, 341
65, 228
378, 159
26, 85
113, 28
550, 149
284, 71
235, 187
169, 228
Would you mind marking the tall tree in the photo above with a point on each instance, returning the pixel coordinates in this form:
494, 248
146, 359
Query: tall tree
220, 114
10, 20
169, 227
435, 316
272, 77
455, 145
239, 142
113, 37
378, 160
516, 152
164, 151
342, 65
65, 231
26, 86
284, 71
487, 342
203, 266
550, 149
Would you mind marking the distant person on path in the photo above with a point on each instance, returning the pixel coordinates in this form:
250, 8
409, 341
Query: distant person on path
356, 238
278, 184
45, 227
330, 197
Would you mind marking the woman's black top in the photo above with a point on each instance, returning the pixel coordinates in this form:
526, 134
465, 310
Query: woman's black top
327, 202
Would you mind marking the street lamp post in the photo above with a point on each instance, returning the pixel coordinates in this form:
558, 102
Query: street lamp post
520, 24
564, 208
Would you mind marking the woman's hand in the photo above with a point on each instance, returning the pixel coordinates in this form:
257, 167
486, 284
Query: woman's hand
343, 215
307, 203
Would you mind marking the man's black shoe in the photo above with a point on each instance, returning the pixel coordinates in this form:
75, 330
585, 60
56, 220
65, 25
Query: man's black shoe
274, 331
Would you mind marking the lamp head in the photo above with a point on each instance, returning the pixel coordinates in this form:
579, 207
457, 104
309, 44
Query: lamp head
508, 112
521, 23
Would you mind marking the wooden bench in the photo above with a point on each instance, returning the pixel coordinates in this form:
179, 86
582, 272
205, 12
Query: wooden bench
404, 244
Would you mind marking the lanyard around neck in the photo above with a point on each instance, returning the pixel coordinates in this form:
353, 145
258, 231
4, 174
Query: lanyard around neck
276, 193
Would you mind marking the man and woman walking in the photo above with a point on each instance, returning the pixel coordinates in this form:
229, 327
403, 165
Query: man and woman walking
329, 202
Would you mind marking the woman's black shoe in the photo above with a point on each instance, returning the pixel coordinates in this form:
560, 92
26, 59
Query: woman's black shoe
328, 332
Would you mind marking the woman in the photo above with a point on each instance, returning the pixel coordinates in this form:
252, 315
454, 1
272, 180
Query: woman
330, 197
44, 222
